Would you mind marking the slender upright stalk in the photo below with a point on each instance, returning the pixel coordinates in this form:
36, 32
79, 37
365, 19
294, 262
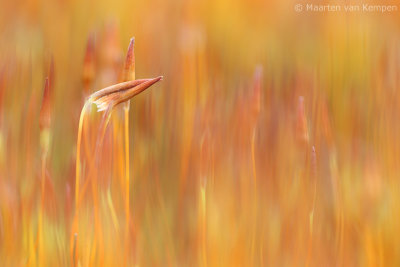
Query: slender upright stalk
127, 169
129, 75
78, 156
92, 178
106, 99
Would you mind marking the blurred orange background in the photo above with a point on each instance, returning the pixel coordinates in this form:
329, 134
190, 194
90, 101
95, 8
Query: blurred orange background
271, 141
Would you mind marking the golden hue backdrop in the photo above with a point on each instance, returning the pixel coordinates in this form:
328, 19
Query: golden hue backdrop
272, 140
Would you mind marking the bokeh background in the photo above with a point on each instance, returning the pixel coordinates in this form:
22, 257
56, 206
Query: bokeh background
271, 141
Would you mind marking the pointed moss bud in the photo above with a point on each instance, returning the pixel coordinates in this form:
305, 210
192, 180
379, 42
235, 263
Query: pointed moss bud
129, 68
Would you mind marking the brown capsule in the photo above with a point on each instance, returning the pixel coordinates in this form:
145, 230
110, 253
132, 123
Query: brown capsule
115, 88
111, 96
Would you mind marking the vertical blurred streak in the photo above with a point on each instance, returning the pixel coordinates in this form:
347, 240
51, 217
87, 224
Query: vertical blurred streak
2, 149
74, 250
88, 80
339, 208
112, 211
45, 139
51, 76
170, 244
27, 208
305, 185
32, 106
335, 181
192, 56
110, 57
2, 171
206, 145
255, 105
203, 225
89, 66
301, 124
313, 177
